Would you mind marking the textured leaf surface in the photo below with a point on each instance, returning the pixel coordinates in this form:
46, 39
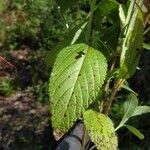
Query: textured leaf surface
130, 106
101, 130
77, 76
133, 40
141, 110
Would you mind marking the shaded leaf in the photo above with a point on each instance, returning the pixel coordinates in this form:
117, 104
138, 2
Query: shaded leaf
65, 4
135, 131
101, 130
107, 6
129, 89
77, 76
129, 108
106, 9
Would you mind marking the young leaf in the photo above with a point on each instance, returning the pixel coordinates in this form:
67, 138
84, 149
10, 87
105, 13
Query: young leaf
77, 76
141, 110
129, 108
101, 130
135, 131
132, 41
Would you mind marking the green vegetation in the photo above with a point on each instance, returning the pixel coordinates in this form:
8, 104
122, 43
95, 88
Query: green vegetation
6, 86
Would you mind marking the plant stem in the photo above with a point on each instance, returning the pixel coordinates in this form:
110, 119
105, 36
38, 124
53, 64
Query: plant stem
89, 31
106, 85
116, 87
63, 18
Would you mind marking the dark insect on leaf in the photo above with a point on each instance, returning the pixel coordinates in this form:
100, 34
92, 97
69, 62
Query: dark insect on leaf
79, 54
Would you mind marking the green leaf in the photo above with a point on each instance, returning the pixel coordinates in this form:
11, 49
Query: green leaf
78, 33
146, 46
132, 41
129, 89
141, 110
135, 131
52, 55
75, 82
70, 38
101, 130
107, 6
122, 14
129, 108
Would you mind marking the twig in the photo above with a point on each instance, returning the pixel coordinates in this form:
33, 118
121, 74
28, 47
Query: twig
116, 87
89, 30
5, 61
106, 85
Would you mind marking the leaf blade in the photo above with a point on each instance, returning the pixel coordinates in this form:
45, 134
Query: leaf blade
135, 131
141, 110
77, 76
129, 108
133, 40
101, 130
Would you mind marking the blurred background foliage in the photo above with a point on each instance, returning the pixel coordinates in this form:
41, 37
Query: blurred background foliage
29, 29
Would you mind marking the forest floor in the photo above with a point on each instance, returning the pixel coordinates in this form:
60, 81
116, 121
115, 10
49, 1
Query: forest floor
24, 120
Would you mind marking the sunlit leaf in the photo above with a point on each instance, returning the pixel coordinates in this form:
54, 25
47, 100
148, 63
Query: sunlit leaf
101, 130
75, 82
122, 14
70, 38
